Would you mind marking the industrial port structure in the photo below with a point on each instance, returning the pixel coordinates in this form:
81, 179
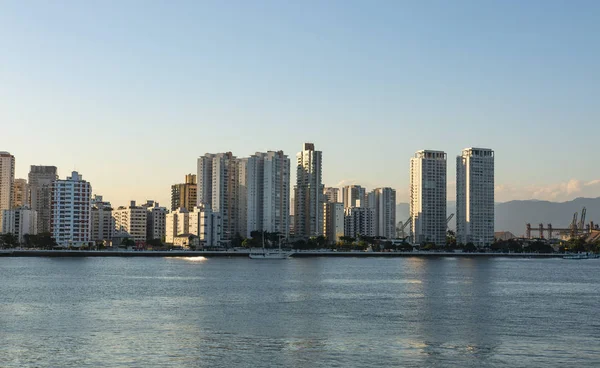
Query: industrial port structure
575, 229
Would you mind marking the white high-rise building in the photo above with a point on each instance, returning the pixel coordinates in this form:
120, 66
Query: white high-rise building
19, 222
275, 190
333, 221
383, 201
308, 193
71, 211
359, 221
428, 197
176, 223
251, 170
171, 227
206, 225
7, 178
103, 224
131, 219
41, 180
218, 185
21, 194
475, 196
354, 196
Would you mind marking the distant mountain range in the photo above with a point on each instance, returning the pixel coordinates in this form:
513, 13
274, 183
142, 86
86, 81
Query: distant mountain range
512, 216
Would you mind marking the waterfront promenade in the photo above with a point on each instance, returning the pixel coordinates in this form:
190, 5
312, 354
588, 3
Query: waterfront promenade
244, 253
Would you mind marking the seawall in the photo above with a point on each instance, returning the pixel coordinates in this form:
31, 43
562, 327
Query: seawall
110, 253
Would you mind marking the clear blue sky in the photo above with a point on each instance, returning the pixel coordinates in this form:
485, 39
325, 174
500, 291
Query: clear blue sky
130, 93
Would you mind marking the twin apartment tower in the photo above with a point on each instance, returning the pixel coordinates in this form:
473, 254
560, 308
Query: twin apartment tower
474, 197
249, 193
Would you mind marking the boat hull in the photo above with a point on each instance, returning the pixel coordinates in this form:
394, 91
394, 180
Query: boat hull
276, 255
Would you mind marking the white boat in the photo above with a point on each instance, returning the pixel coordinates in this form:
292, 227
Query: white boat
269, 255
264, 254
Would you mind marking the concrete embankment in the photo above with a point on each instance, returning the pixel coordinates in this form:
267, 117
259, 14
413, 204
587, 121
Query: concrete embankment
110, 253
85, 253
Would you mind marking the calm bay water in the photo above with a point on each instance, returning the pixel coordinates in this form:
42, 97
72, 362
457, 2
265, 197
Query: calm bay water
315, 312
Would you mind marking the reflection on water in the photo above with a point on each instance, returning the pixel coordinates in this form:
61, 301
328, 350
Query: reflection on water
322, 312
192, 259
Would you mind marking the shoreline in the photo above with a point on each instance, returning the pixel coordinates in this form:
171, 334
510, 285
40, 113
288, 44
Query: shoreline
304, 254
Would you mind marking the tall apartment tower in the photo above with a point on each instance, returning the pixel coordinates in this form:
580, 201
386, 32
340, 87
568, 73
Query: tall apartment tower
263, 193
332, 195
218, 185
185, 194
131, 219
333, 215
155, 220
250, 194
475, 196
383, 200
292, 217
275, 189
21, 194
370, 200
71, 211
41, 179
428, 197
103, 224
7, 178
354, 196
333, 221
308, 193
359, 221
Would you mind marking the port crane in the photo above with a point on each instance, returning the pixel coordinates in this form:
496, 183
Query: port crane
400, 228
448, 220
582, 219
400, 234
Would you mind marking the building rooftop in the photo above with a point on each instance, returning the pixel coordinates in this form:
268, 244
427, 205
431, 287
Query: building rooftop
478, 151
430, 154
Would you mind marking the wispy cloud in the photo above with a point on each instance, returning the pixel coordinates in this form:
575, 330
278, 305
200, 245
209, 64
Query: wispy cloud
563, 191
557, 192
344, 182
593, 182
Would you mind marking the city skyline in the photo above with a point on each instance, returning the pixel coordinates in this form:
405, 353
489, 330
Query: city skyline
554, 192
390, 79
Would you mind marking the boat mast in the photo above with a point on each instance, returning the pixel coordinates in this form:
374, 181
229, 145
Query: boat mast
279, 241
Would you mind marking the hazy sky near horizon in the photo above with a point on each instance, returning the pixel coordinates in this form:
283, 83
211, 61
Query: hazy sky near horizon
130, 93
